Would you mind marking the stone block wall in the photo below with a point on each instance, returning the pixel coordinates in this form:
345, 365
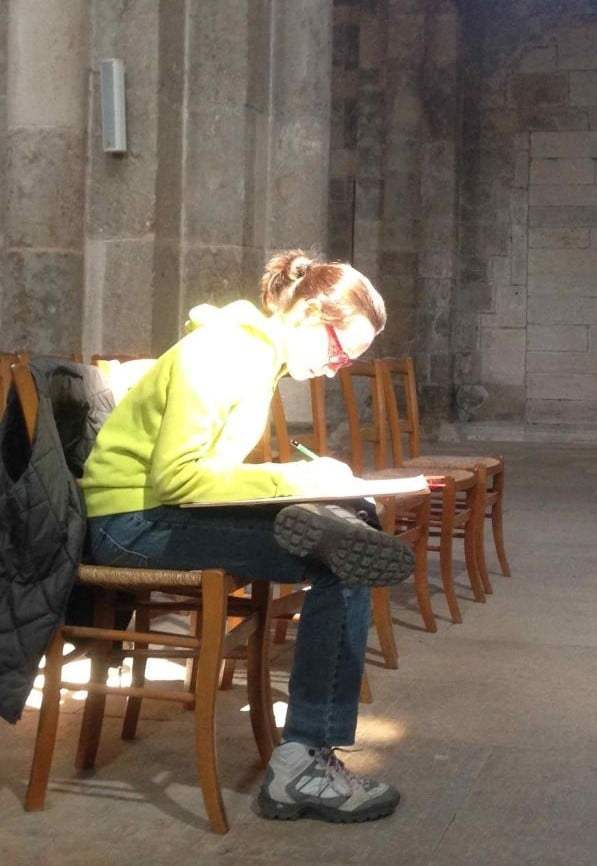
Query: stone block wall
448, 148
3, 197
228, 121
45, 146
121, 189
528, 219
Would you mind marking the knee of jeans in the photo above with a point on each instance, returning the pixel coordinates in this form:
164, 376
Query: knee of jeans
321, 577
356, 594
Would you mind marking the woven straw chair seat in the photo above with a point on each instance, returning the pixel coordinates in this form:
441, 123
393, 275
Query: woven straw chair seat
138, 578
407, 472
456, 462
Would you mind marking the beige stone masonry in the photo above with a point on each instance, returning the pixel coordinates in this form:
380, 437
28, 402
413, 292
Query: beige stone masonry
564, 195
558, 338
564, 144
560, 310
562, 362
564, 262
559, 239
571, 386
566, 171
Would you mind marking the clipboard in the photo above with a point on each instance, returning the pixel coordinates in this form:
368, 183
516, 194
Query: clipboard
366, 488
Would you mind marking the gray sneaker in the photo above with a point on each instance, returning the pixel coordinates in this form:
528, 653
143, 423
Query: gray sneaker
356, 552
303, 782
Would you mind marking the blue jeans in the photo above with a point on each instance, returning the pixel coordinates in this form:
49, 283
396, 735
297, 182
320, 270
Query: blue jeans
330, 648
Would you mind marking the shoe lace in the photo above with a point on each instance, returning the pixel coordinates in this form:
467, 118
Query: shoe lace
335, 767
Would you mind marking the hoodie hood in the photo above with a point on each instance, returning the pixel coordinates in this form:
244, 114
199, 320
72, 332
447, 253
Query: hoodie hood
241, 313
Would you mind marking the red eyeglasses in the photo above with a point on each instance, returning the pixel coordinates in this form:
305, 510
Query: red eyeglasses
337, 357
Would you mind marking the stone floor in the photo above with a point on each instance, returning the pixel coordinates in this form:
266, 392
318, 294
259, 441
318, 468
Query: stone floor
489, 728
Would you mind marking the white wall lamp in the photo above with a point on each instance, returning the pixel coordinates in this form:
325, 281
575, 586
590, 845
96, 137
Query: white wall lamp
113, 106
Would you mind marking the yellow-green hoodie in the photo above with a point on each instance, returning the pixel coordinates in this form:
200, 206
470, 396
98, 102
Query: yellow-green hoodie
182, 433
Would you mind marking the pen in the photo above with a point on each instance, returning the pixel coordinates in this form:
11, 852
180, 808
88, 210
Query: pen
306, 452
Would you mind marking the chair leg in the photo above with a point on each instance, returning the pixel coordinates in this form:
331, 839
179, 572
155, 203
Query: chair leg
95, 704
498, 525
190, 677
133, 705
215, 593
46, 727
281, 628
446, 549
258, 676
366, 696
470, 547
227, 676
229, 665
479, 523
382, 618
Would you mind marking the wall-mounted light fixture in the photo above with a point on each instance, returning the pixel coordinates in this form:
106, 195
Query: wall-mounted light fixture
113, 106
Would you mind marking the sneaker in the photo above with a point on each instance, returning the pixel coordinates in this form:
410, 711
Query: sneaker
356, 552
304, 782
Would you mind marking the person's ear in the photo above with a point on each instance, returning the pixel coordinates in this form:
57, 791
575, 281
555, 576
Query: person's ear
313, 308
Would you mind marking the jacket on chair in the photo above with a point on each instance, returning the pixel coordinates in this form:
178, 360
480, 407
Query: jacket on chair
42, 518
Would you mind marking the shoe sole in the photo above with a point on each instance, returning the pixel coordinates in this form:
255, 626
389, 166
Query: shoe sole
360, 556
275, 811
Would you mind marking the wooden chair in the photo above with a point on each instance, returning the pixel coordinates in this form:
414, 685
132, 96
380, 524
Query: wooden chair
210, 593
7, 359
416, 535
449, 517
399, 375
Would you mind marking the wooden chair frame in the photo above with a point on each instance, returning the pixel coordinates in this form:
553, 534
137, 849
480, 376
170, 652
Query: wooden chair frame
455, 504
210, 595
403, 370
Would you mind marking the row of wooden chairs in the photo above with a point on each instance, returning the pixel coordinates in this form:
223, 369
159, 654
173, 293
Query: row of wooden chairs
462, 487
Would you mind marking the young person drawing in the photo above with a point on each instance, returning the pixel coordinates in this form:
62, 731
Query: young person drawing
182, 434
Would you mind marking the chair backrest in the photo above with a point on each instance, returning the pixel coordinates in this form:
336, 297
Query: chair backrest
6, 359
313, 432
374, 432
402, 408
275, 444
27, 395
116, 356
122, 372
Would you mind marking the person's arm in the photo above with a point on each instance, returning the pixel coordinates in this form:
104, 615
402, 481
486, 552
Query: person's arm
214, 415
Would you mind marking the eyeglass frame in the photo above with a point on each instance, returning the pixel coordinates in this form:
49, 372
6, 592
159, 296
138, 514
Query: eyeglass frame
337, 357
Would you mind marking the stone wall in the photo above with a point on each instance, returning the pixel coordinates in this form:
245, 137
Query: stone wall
446, 147
228, 115
45, 174
525, 340
3, 201
121, 189
393, 192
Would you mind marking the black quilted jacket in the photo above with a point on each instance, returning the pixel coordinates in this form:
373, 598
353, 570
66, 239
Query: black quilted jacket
42, 518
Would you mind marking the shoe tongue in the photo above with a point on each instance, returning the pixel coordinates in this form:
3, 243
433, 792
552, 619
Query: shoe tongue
335, 770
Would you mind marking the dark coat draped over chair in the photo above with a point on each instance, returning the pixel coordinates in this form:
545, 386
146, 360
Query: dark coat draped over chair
42, 518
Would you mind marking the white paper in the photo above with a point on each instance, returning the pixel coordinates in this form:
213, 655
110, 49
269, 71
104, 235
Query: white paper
372, 487
357, 487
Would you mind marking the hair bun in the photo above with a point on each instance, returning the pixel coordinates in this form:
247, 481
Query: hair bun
281, 272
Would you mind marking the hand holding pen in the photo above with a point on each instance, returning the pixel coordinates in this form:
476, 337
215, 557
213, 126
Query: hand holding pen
326, 471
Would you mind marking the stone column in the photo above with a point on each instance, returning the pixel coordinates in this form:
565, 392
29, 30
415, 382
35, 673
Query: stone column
168, 312
224, 150
440, 144
121, 189
299, 133
402, 174
3, 198
46, 121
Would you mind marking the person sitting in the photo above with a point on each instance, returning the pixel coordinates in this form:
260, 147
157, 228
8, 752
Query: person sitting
181, 435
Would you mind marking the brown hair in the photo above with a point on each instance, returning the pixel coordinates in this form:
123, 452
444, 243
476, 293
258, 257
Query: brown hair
342, 291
